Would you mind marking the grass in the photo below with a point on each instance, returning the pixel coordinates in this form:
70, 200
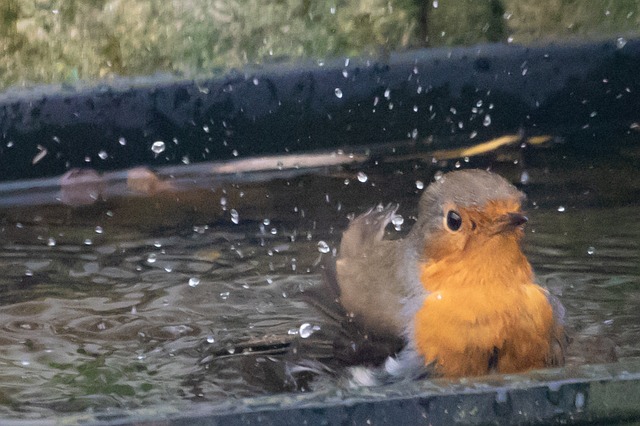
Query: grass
48, 41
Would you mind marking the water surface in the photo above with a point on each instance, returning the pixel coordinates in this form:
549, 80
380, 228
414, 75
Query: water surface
195, 294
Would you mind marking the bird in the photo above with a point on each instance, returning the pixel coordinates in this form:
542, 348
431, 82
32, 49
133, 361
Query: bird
457, 291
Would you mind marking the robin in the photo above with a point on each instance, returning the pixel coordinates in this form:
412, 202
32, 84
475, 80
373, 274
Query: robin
458, 289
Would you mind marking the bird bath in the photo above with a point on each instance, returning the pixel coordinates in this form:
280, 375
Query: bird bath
166, 281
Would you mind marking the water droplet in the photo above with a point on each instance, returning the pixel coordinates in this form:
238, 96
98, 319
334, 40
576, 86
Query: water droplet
338, 93
387, 93
435, 4
486, 122
103, 155
561, 209
345, 73
99, 230
579, 401
620, 42
415, 108
224, 295
591, 250
266, 222
419, 184
438, 175
40, 155
524, 177
51, 242
323, 247
194, 281
206, 129
200, 229
210, 339
362, 177
397, 222
88, 241
306, 330
332, 10
235, 217
152, 258
158, 147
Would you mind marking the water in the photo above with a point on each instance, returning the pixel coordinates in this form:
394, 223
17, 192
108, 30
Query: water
192, 295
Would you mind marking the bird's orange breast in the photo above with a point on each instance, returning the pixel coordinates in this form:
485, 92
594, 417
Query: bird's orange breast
483, 314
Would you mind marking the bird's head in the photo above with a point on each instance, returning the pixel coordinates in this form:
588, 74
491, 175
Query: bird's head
467, 213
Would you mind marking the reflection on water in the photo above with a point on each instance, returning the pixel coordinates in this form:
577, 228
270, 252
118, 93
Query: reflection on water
135, 302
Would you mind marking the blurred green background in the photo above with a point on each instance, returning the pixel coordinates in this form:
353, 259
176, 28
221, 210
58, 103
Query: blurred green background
44, 41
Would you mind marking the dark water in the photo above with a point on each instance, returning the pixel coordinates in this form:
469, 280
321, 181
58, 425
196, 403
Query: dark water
137, 302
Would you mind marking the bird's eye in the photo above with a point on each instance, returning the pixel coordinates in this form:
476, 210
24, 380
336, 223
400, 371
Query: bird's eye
454, 221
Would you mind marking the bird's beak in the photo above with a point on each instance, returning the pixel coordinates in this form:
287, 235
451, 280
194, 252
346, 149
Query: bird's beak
516, 219
511, 221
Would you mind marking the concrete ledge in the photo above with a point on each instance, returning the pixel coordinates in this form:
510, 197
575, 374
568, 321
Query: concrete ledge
440, 96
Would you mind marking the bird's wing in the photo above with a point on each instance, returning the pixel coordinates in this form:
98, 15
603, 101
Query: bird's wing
341, 338
577, 348
344, 339
370, 274
559, 337
366, 230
